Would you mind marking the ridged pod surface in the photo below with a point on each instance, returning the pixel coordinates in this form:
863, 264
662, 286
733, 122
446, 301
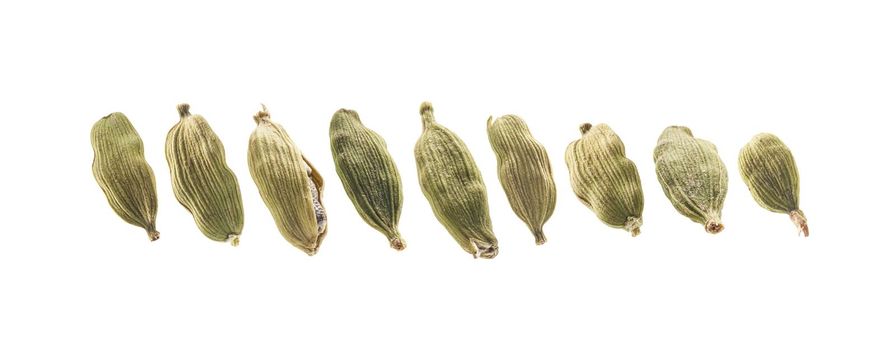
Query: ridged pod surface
524, 171
290, 186
202, 181
604, 179
692, 176
768, 168
452, 184
122, 172
368, 174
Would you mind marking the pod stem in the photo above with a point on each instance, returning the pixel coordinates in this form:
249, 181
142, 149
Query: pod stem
426, 113
714, 226
484, 250
262, 115
184, 110
539, 236
234, 239
396, 242
799, 219
584, 128
633, 225
153, 234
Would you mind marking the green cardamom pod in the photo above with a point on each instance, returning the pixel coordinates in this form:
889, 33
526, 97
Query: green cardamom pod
202, 181
122, 172
368, 174
604, 179
768, 168
692, 176
452, 184
289, 185
524, 172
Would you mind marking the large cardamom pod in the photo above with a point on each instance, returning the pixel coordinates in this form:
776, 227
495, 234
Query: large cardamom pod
692, 176
604, 179
289, 185
768, 168
368, 174
453, 186
122, 172
524, 172
202, 181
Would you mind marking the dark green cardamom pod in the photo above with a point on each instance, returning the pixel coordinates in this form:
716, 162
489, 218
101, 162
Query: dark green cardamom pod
524, 172
122, 172
368, 174
692, 176
290, 186
203, 183
453, 186
768, 168
604, 179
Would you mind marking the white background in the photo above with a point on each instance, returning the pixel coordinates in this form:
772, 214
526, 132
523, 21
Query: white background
819, 74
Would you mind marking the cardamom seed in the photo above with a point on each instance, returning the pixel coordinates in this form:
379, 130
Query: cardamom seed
122, 172
604, 179
524, 172
289, 185
692, 175
452, 184
202, 181
768, 168
368, 174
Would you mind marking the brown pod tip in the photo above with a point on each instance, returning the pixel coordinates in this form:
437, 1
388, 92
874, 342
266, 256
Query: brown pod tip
584, 128
183, 109
633, 225
484, 250
539, 236
234, 239
262, 115
714, 226
397, 243
153, 234
800, 221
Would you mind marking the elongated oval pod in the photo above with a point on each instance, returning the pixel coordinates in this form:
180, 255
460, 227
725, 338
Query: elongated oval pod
368, 174
452, 184
289, 185
524, 171
122, 172
692, 175
604, 179
202, 181
768, 168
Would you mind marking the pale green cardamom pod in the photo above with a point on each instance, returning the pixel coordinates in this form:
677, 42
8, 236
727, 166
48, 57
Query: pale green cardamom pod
604, 179
768, 168
122, 172
524, 172
289, 185
203, 183
453, 186
368, 174
692, 176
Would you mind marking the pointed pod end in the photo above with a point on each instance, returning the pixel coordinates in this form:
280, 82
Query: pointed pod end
234, 240
183, 109
153, 235
426, 113
262, 115
584, 128
799, 219
397, 243
714, 227
488, 253
539, 237
633, 225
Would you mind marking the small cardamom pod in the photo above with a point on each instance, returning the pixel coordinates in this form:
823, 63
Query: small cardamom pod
368, 174
289, 185
452, 184
202, 181
692, 176
768, 168
524, 172
604, 179
122, 172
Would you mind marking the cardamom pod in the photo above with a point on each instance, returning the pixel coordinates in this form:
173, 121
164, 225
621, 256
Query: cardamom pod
604, 179
452, 184
524, 172
122, 172
289, 185
692, 176
368, 174
202, 181
768, 168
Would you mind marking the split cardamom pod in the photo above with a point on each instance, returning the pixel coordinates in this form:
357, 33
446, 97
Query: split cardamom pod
604, 179
452, 184
289, 185
122, 172
768, 168
692, 175
524, 172
202, 181
368, 174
